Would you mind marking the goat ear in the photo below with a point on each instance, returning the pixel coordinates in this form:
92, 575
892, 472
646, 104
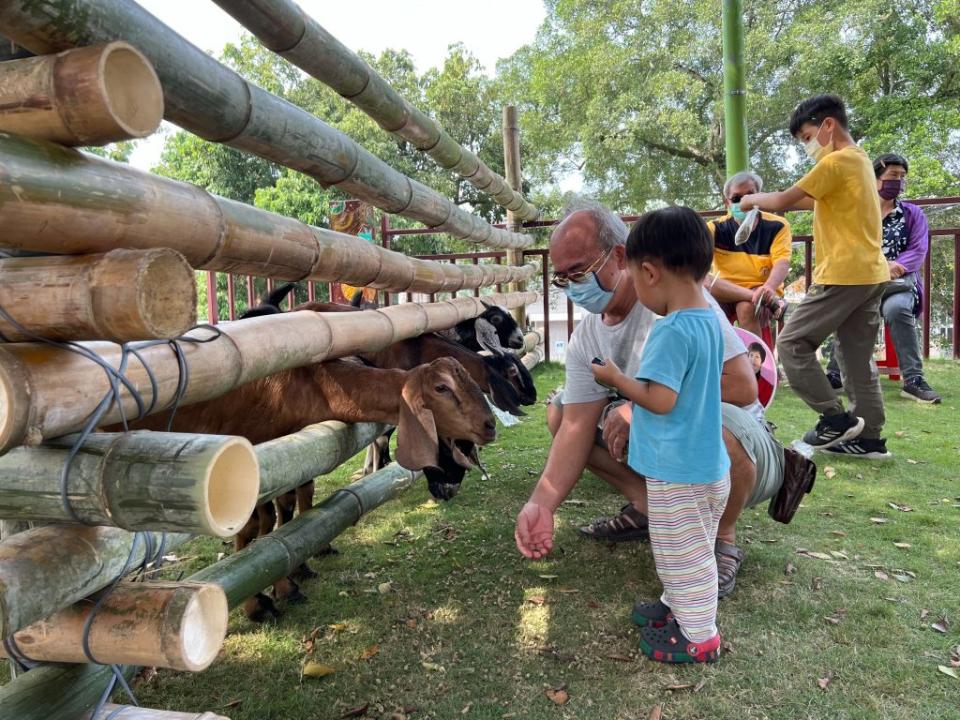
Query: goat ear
417, 445
486, 304
487, 337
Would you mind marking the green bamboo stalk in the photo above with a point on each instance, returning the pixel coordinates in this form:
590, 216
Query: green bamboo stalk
56, 200
64, 692
205, 97
734, 88
284, 28
173, 482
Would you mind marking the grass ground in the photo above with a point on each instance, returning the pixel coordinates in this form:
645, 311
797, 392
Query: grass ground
429, 611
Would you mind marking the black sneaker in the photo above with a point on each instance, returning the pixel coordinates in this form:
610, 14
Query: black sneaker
861, 447
917, 389
834, 429
836, 382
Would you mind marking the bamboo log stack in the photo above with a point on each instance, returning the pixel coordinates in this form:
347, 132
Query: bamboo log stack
161, 624
532, 359
132, 712
174, 482
531, 341
57, 200
206, 98
120, 296
46, 391
285, 29
87, 96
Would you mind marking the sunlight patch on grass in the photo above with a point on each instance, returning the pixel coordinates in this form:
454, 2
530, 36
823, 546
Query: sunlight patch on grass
533, 624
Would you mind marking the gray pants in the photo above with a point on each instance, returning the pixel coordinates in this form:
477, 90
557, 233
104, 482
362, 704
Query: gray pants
853, 313
897, 311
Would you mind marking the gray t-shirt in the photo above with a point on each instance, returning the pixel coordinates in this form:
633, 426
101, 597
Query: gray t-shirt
623, 343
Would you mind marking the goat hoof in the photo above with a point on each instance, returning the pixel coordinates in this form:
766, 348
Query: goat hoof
304, 573
324, 552
295, 597
261, 608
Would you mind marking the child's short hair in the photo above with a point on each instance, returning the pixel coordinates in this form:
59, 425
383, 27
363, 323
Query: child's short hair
758, 348
817, 109
677, 237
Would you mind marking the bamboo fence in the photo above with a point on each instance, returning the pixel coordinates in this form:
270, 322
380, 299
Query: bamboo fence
205, 97
285, 29
58, 200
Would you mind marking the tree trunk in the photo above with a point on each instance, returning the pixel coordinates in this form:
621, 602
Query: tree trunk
61, 201
36, 582
47, 392
88, 96
121, 296
161, 624
206, 98
173, 482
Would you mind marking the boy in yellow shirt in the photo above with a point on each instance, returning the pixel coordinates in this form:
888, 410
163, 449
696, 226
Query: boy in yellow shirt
848, 280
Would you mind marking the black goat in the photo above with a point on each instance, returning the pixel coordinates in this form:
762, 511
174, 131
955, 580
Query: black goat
493, 330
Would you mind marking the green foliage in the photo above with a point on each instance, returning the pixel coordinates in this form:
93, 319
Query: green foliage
118, 151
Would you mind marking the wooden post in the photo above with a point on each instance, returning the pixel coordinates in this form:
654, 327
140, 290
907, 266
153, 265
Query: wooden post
511, 164
46, 392
56, 200
88, 96
123, 295
132, 712
174, 482
163, 624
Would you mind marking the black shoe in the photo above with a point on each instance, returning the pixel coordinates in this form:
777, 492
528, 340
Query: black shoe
836, 382
917, 389
628, 524
833, 429
861, 447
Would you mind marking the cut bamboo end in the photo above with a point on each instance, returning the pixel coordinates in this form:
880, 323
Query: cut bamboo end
131, 712
120, 296
86, 96
180, 626
231, 487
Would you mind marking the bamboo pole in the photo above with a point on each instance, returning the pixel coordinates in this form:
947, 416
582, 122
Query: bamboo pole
531, 341
160, 624
205, 97
532, 359
88, 96
64, 692
131, 712
284, 28
173, 482
734, 88
511, 163
58, 200
45, 569
46, 391
120, 296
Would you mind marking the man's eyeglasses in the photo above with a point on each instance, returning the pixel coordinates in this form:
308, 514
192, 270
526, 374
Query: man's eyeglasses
562, 280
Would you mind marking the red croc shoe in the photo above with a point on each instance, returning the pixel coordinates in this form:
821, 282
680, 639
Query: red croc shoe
667, 644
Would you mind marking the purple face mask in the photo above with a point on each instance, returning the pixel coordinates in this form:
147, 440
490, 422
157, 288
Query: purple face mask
891, 189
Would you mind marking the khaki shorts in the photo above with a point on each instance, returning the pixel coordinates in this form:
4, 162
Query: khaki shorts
757, 441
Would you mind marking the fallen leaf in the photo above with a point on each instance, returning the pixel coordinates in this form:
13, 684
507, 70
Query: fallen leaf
823, 682
902, 546
880, 575
726, 647
912, 462
684, 686
317, 670
941, 626
656, 713
432, 666
699, 686
839, 555
832, 620
817, 555
924, 614
338, 627
358, 711
902, 578
899, 433
558, 697
790, 569
384, 587
948, 671
901, 508
878, 520
369, 651
410, 623
618, 658
548, 577
816, 584
838, 533
829, 471
232, 704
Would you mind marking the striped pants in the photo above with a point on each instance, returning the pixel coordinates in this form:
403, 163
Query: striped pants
683, 529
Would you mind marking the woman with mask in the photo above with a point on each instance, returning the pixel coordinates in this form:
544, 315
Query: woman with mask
906, 238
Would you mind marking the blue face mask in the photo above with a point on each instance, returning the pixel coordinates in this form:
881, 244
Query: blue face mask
737, 213
590, 294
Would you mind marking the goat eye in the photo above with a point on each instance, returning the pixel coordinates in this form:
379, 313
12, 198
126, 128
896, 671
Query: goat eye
496, 319
442, 389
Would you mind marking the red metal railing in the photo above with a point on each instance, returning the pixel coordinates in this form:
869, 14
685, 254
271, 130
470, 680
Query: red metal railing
541, 257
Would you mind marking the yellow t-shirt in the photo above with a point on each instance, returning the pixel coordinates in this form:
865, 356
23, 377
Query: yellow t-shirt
846, 220
749, 265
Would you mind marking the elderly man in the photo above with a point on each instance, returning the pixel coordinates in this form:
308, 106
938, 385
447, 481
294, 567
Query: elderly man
754, 271
587, 252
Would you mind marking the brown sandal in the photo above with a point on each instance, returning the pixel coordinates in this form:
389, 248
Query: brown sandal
729, 560
628, 524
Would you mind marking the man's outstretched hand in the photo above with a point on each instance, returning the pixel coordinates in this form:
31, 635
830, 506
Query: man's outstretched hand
534, 533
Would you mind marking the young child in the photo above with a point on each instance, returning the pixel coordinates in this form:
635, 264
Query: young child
848, 280
676, 438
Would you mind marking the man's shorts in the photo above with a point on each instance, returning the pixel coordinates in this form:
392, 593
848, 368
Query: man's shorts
757, 441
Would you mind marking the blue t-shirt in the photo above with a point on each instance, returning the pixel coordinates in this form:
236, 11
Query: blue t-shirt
685, 353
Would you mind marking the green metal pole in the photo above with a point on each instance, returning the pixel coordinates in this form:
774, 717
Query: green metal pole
734, 88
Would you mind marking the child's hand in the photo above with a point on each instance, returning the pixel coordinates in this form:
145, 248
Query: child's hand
607, 374
747, 202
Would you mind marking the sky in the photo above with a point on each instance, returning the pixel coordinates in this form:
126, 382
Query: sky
490, 30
